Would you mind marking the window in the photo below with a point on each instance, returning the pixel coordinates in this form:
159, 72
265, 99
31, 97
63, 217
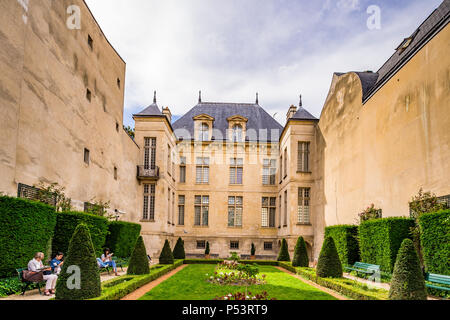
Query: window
269, 171
169, 160
303, 157
181, 204
285, 208
117, 126
173, 208
149, 202
236, 170
115, 173
202, 171
279, 215
234, 245
303, 215
268, 246
118, 83
90, 42
86, 156
201, 244
201, 211
235, 211
169, 212
285, 163
183, 170
150, 153
281, 169
204, 132
237, 133
88, 95
268, 212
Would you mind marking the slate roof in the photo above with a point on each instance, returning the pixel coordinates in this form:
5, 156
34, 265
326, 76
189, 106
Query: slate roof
151, 110
257, 117
303, 114
371, 81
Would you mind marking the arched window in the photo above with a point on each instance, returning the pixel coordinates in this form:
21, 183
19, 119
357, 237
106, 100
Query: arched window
237, 133
204, 132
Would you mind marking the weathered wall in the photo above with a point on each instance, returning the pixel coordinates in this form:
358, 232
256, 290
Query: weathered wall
384, 151
46, 119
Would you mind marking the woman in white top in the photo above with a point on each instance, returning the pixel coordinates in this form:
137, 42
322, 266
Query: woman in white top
107, 261
36, 265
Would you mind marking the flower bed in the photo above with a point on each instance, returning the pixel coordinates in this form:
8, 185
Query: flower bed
236, 274
246, 296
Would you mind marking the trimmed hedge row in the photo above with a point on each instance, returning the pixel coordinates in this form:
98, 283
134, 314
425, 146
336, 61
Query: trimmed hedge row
260, 262
132, 283
122, 237
26, 227
380, 240
435, 241
346, 240
203, 261
66, 223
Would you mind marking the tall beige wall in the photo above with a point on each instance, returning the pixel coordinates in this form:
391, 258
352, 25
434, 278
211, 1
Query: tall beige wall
384, 151
46, 119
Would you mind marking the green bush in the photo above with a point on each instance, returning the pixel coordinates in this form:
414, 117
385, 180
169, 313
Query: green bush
283, 255
66, 223
407, 281
207, 251
166, 256
139, 261
329, 264
435, 241
203, 261
26, 227
122, 238
178, 251
81, 253
346, 240
380, 240
253, 250
300, 254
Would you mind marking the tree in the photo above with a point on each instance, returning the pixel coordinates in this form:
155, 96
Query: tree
407, 281
139, 261
80, 257
166, 256
178, 251
207, 251
329, 264
283, 255
300, 254
253, 250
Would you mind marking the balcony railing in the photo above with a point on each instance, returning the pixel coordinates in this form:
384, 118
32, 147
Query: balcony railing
146, 173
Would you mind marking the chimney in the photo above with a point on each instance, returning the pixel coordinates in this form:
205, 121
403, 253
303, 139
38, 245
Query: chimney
292, 111
167, 113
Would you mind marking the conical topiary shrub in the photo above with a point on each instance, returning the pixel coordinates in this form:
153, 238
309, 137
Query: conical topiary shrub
166, 256
407, 281
72, 285
207, 250
329, 264
178, 251
284, 252
139, 261
300, 254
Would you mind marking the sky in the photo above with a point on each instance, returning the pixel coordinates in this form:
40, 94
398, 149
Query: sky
232, 49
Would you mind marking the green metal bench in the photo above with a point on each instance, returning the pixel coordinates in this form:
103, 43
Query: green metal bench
27, 283
438, 281
365, 268
119, 264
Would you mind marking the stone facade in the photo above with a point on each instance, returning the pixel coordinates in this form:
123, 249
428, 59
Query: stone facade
62, 91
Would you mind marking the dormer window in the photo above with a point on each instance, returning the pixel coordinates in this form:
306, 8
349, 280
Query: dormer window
204, 132
237, 133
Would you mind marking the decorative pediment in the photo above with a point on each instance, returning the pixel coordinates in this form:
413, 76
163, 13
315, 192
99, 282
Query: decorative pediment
237, 118
203, 117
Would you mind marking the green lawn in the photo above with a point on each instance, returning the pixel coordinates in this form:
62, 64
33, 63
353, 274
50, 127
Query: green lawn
190, 284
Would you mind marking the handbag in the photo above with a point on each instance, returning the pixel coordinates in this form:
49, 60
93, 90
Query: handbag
32, 276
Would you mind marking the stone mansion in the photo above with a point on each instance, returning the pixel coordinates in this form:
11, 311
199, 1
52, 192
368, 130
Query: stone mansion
224, 173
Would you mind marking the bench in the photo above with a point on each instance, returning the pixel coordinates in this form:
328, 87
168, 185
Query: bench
119, 264
27, 283
438, 281
365, 268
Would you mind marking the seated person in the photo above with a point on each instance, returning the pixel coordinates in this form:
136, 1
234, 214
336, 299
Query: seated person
107, 261
57, 263
37, 266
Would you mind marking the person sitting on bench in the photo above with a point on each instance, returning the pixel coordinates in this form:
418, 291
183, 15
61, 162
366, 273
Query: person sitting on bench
107, 261
37, 266
57, 263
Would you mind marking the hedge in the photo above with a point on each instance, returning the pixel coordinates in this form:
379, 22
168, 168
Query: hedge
283, 255
119, 287
122, 238
435, 241
202, 261
26, 227
346, 240
329, 265
66, 223
166, 256
380, 240
138, 264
